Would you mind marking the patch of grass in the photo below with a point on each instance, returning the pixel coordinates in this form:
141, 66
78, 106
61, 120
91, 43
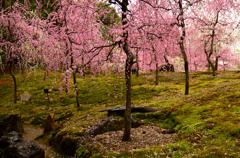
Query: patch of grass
207, 120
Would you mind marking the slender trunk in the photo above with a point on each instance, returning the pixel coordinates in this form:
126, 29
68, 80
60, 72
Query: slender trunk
75, 82
181, 44
76, 88
156, 74
211, 52
15, 83
83, 69
22, 68
216, 63
195, 66
128, 67
211, 65
186, 68
10, 69
211, 46
127, 114
45, 75
137, 64
166, 60
156, 82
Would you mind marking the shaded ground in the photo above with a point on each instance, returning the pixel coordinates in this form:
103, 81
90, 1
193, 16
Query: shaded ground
142, 137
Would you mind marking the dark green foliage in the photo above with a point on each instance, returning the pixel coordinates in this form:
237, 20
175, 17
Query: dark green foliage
109, 20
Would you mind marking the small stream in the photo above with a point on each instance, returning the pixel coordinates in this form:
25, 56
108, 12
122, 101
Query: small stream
30, 133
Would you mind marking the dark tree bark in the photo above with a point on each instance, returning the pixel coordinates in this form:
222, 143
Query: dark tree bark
156, 82
216, 63
127, 114
186, 68
210, 62
76, 88
210, 52
165, 58
11, 37
128, 67
181, 44
15, 82
137, 64
75, 83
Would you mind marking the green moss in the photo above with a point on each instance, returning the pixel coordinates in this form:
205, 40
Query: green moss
207, 119
84, 151
116, 124
165, 118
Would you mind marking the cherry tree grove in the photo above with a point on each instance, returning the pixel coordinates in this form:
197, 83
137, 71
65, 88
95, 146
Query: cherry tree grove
19, 39
78, 34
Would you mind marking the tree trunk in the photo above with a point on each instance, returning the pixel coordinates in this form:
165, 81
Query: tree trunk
45, 75
181, 44
76, 88
211, 46
211, 65
166, 60
15, 83
186, 68
156, 74
128, 67
216, 63
137, 64
83, 69
75, 82
156, 82
22, 68
195, 66
127, 114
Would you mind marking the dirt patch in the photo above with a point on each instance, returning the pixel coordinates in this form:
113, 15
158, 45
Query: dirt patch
142, 137
30, 133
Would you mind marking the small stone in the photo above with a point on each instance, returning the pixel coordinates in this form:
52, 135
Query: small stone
25, 97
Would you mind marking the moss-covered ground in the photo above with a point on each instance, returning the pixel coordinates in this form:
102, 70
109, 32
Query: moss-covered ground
207, 120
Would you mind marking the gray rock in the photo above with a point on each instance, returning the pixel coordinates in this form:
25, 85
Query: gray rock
11, 123
10, 138
13, 146
25, 149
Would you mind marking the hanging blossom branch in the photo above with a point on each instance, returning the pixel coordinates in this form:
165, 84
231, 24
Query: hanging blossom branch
156, 7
